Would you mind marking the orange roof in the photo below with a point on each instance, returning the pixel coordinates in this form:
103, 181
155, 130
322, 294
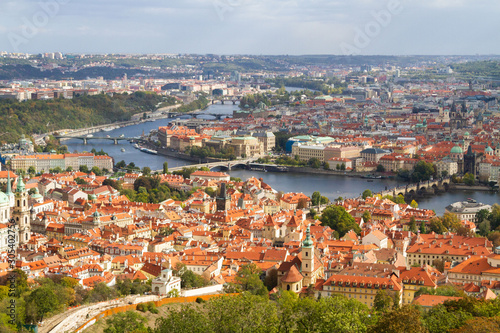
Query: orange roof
292, 276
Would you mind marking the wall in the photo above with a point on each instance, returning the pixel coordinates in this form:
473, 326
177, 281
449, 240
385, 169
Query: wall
159, 303
203, 291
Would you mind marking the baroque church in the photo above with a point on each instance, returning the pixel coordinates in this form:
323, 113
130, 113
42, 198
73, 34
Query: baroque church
15, 205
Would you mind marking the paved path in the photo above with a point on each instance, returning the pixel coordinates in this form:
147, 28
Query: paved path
74, 318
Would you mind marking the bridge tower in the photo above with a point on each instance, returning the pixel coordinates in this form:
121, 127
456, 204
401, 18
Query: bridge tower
223, 200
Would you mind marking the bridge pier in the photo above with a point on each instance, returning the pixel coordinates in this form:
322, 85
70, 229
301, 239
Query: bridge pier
222, 101
84, 141
234, 102
115, 141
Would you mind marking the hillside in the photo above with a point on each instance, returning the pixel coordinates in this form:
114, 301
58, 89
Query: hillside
31, 116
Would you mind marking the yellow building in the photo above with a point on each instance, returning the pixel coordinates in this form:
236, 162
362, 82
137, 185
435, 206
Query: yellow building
361, 288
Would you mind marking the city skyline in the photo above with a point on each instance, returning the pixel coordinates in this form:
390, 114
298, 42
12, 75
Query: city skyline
361, 27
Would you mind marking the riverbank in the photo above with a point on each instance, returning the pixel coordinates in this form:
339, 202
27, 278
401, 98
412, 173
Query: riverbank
181, 156
462, 187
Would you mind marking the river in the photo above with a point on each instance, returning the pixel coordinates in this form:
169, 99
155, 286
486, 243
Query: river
329, 186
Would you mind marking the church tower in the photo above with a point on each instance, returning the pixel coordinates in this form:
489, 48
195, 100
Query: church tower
470, 162
9, 193
223, 200
307, 252
21, 212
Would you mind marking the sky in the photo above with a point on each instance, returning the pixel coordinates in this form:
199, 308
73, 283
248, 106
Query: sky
364, 27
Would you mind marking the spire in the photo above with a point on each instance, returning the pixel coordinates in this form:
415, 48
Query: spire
20, 185
9, 186
308, 242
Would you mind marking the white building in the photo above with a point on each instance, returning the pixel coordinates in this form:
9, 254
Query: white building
467, 210
165, 283
376, 237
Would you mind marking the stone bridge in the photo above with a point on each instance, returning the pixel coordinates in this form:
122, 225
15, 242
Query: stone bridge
421, 188
227, 165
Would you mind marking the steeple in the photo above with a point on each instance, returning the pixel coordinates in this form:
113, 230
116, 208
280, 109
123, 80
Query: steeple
308, 241
20, 185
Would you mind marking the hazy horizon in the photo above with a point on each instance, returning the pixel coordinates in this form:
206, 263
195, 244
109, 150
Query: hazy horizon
251, 27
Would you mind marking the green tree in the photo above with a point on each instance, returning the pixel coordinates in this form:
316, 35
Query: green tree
248, 279
337, 218
367, 193
315, 198
31, 170
121, 164
342, 167
423, 228
437, 226
480, 325
367, 217
96, 171
414, 204
243, 313
406, 319
383, 302
314, 163
469, 179
165, 167
439, 319
380, 168
84, 168
126, 322
422, 171
185, 320
146, 171
44, 301
326, 166
188, 278
451, 222
412, 225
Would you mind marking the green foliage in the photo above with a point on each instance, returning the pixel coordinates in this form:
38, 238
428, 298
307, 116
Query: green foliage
383, 302
287, 160
204, 152
281, 138
380, 168
422, 171
439, 319
198, 104
165, 167
414, 204
398, 200
248, 279
42, 116
128, 287
314, 163
405, 319
423, 228
469, 179
188, 278
412, 225
126, 322
43, 300
337, 218
367, 193
367, 217
447, 290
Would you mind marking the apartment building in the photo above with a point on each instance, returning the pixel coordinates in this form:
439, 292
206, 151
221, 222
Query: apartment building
305, 151
46, 162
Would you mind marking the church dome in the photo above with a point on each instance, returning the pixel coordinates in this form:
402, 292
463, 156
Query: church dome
456, 150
